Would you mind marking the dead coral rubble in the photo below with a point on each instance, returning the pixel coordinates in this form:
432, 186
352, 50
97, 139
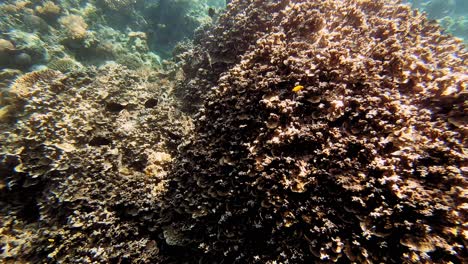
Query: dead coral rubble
83, 161
367, 163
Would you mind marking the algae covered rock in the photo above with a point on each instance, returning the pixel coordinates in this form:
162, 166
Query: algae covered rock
6, 50
325, 136
119, 5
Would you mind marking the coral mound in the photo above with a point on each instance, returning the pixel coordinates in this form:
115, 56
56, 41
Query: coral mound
83, 162
336, 133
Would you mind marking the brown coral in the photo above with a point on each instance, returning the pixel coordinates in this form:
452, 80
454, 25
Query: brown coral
75, 26
361, 165
49, 10
364, 163
24, 86
83, 164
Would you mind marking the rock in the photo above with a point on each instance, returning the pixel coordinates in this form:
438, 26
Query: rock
23, 60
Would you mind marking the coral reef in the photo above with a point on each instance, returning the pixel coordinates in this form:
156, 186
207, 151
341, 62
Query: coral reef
49, 10
213, 53
83, 161
287, 132
64, 64
94, 32
119, 5
74, 26
365, 162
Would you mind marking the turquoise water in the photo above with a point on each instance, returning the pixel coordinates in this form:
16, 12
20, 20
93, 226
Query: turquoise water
451, 14
135, 33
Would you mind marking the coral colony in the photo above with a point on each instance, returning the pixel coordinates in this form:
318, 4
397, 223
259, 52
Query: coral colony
282, 132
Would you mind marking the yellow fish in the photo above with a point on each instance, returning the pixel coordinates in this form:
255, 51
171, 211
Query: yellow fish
297, 88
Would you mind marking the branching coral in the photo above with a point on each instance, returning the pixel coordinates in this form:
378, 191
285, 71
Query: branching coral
326, 131
48, 10
83, 161
75, 26
360, 165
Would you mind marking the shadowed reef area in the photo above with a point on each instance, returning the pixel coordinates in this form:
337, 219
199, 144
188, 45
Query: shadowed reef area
285, 132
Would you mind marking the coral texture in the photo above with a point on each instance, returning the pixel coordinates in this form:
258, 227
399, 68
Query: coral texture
336, 132
94, 32
48, 10
119, 5
325, 131
75, 26
83, 160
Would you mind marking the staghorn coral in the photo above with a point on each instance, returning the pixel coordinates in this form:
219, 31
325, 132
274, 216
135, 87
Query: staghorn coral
366, 163
83, 162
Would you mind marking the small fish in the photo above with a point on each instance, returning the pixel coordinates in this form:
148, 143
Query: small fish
297, 88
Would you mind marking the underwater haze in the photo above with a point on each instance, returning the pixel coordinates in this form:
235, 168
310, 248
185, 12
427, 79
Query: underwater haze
450, 14
240, 131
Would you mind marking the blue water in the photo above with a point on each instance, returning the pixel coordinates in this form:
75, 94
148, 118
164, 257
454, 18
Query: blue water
451, 14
